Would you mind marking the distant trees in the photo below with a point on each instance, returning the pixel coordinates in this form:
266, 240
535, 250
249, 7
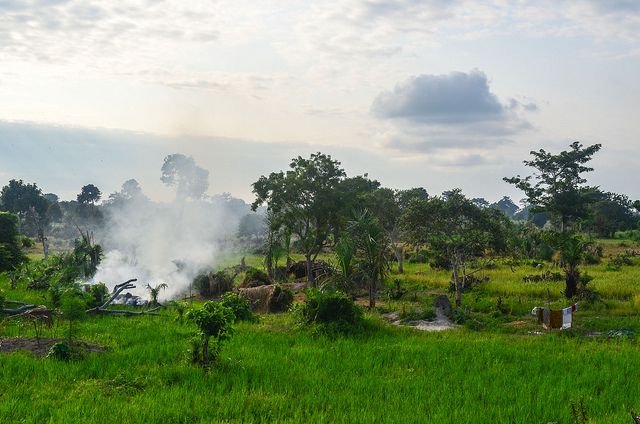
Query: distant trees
181, 172
557, 185
610, 212
89, 194
455, 228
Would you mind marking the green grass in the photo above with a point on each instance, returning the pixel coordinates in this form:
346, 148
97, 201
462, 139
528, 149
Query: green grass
494, 371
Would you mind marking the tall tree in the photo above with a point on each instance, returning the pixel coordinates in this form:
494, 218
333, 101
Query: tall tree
557, 185
10, 254
305, 199
89, 194
372, 249
181, 172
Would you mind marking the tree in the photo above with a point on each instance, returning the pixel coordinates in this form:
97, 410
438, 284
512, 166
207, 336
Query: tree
611, 212
10, 254
372, 249
213, 320
252, 225
18, 198
559, 187
305, 199
131, 190
89, 194
456, 229
181, 172
154, 292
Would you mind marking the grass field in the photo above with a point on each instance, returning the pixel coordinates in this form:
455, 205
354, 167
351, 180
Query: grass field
494, 371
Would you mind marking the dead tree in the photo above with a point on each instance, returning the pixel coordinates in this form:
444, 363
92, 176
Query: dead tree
119, 288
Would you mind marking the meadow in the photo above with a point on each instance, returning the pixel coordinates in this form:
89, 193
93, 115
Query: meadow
498, 366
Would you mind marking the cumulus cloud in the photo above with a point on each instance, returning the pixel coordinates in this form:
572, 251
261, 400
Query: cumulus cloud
453, 98
456, 110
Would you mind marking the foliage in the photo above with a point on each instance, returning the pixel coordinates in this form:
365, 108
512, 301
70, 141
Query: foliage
306, 200
180, 307
281, 299
254, 277
18, 198
190, 180
372, 251
89, 194
73, 309
214, 320
330, 311
11, 255
239, 305
154, 292
98, 295
2, 298
27, 242
559, 188
60, 351
213, 284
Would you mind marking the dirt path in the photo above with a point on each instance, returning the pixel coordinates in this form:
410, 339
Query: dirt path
441, 323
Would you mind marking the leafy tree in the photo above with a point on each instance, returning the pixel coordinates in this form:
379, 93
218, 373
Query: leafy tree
480, 202
559, 187
10, 254
89, 194
372, 249
18, 198
457, 229
154, 292
131, 190
611, 212
215, 321
305, 200
190, 180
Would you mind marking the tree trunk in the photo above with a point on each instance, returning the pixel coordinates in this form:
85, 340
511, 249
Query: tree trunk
205, 351
457, 283
310, 276
399, 252
571, 283
373, 291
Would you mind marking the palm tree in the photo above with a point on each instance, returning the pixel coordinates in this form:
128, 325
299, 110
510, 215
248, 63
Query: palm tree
154, 292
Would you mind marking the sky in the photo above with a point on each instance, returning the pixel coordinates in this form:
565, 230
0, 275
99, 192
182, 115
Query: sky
431, 93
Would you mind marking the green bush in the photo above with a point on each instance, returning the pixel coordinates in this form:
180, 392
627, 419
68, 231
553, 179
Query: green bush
214, 321
329, 311
213, 284
27, 242
255, 277
60, 351
2, 299
239, 305
98, 295
281, 300
73, 309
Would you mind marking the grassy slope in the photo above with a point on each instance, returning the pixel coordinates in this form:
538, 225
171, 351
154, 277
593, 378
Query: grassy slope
272, 372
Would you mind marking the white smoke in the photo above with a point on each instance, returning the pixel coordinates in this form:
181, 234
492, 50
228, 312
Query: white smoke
164, 242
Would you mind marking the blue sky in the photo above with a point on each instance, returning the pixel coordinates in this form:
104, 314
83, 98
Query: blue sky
438, 94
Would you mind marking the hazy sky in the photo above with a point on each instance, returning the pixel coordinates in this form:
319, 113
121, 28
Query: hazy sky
439, 94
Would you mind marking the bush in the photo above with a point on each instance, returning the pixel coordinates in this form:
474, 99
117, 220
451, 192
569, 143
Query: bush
73, 309
27, 242
2, 299
98, 295
331, 312
214, 321
281, 300
60, 351
255, 277
213, 284
239, 305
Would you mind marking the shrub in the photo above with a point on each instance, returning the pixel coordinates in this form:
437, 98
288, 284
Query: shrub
73, 309
239, 305
215, 321
255, 277
98, 295
281, 300
331, 312
27, 242
213, 284
2, 299
60, 351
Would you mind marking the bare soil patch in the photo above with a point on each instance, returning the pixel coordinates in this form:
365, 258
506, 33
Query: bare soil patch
41, 347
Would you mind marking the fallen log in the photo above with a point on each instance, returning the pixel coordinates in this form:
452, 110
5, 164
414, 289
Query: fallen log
117, 289
17, 311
